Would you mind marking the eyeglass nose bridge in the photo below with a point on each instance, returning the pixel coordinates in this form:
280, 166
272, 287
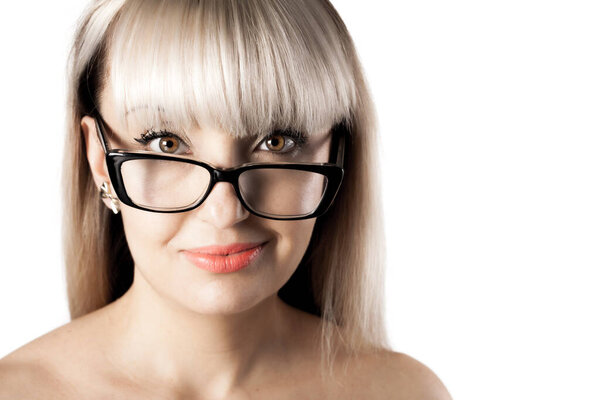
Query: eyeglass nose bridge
224, 175
229, 175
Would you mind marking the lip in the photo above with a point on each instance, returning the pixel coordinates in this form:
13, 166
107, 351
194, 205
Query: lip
224, 259
224, 250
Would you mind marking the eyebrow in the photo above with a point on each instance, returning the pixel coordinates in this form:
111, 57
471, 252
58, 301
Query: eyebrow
139, 107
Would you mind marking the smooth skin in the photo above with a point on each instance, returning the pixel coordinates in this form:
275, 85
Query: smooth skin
184, 333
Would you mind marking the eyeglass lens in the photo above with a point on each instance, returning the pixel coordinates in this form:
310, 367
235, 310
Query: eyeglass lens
169, 185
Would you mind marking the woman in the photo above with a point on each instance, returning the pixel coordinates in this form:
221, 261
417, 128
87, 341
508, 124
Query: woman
222, 225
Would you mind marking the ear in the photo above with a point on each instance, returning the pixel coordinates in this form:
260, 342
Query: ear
95, 155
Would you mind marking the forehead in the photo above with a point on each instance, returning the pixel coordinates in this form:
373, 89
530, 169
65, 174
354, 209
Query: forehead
225, 67
207, 143
136, 122
139, 118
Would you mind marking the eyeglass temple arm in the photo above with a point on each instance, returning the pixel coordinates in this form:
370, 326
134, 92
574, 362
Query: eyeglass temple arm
339, 142
100, 133
340, 139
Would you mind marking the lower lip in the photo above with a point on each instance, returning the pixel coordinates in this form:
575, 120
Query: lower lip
224, 264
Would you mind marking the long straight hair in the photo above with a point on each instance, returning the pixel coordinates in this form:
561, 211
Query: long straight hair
248, 66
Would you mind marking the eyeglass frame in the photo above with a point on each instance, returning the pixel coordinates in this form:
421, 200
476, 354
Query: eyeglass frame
332, 170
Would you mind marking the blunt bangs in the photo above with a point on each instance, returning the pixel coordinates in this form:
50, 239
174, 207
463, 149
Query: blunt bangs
247, 67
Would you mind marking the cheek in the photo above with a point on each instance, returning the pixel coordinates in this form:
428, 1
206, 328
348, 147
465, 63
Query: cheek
293, 239
154, 240
148, 233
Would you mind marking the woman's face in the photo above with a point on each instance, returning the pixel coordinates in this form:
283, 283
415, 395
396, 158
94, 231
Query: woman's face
157, 240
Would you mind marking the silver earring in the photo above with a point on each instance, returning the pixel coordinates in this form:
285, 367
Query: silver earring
105, 193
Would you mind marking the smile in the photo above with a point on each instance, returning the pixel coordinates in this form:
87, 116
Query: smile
224, 259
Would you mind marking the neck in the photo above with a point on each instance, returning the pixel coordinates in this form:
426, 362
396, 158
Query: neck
212, 354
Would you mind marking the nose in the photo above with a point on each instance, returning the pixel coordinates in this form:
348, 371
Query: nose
222, 208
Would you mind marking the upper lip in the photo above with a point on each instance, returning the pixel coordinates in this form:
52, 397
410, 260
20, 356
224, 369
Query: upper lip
225, 250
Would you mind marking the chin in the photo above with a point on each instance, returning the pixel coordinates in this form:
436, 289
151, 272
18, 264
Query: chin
218, 298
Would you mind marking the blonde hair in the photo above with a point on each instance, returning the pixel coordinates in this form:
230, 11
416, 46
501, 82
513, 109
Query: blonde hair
249, 67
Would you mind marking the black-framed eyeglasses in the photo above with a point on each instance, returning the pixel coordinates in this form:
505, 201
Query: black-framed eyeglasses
171, 183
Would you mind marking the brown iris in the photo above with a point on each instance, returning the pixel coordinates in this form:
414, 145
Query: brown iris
275, 142
169, 144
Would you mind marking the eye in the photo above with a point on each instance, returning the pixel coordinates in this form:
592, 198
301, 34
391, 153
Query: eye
282, 143
163, 142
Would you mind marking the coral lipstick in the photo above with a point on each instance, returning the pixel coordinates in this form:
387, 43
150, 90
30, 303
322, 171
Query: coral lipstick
224, 259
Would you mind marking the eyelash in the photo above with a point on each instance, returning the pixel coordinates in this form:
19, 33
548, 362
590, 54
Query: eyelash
299, 139
150, 135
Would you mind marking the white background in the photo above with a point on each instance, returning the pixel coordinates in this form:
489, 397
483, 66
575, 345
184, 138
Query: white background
489, 115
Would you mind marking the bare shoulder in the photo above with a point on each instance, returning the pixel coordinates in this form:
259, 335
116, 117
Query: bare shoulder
376, 375
23, 378
31, 372
393, 375
418, 380
47, 366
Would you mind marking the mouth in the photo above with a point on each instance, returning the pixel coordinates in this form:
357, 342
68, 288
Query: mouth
219, 250
225, 259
